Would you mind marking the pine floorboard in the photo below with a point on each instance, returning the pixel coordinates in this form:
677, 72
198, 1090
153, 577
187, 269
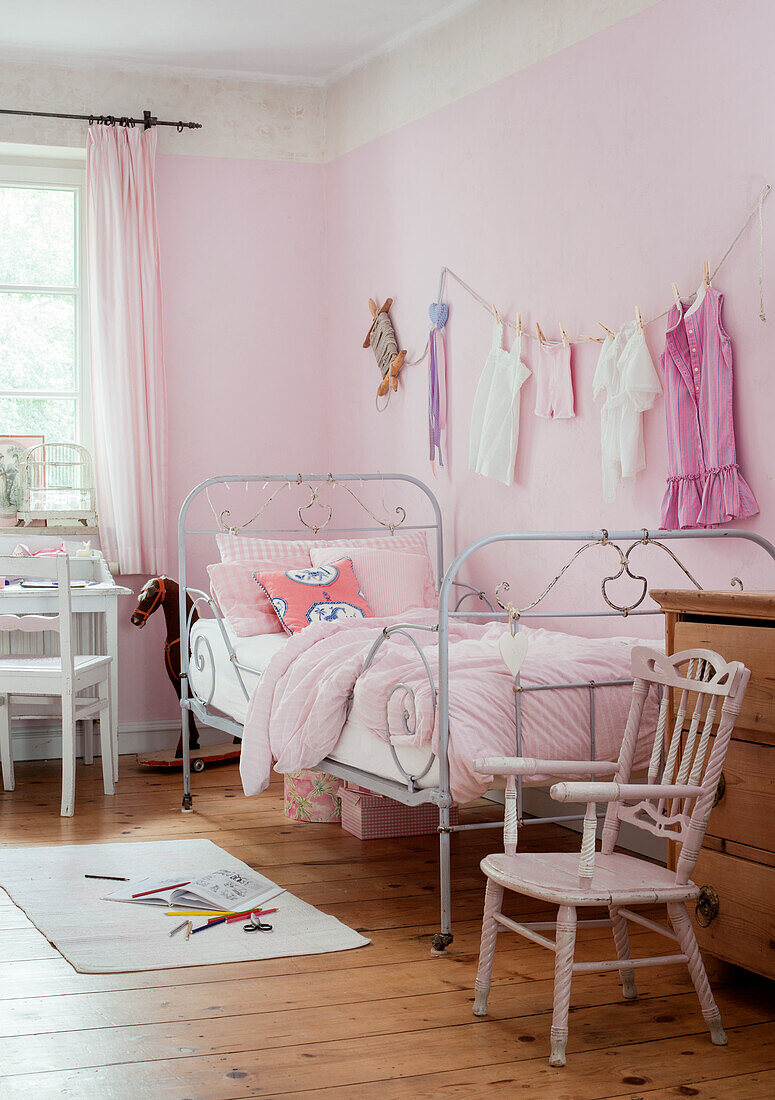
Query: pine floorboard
386, 1021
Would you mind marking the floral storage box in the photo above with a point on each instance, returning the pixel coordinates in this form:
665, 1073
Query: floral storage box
371, 816
312, 796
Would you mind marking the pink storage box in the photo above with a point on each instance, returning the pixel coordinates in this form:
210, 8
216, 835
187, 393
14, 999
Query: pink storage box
371, 816
312, 796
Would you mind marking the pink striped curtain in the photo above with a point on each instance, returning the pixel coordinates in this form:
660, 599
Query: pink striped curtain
127, 354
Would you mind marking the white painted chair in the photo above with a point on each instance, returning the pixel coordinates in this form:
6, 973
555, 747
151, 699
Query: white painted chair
675, 802
28, 684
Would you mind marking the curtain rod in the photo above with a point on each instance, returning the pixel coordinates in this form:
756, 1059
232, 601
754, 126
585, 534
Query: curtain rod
146, 121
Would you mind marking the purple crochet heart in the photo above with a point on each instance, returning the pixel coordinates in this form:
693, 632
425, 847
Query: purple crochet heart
438, 313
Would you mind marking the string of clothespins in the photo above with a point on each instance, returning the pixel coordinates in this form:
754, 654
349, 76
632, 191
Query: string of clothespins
581, 338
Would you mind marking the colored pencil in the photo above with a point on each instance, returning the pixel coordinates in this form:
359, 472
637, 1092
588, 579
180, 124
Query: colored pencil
160, 889
263, 913
200, 913
234, 916
210, 924
188, 929
113, 878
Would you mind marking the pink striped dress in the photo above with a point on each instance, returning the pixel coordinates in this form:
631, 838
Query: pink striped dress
704, 486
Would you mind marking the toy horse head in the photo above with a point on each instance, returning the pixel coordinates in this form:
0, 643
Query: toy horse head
152, 597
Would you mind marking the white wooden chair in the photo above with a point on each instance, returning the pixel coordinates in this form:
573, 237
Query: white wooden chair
25, 679
675, 802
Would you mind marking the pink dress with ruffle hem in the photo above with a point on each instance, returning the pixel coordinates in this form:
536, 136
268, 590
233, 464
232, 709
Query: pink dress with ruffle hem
704, 486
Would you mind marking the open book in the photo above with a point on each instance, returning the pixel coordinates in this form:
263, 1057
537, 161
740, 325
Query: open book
226, 891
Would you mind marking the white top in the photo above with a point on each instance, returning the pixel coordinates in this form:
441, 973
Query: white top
494, 432
626, 374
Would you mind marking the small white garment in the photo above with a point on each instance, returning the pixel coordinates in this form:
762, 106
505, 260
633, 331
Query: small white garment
626, 373
494, 430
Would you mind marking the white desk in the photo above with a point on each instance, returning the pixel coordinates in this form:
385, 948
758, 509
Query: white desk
94, 606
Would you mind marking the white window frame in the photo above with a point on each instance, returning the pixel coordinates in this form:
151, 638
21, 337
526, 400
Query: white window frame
51, 173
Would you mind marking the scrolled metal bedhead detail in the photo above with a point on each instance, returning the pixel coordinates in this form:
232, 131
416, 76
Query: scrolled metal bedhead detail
623, 570
314, 488
331, 480
472, 593
201, 645
202, 642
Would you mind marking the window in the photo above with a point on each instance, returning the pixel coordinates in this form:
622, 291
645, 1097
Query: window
44, 382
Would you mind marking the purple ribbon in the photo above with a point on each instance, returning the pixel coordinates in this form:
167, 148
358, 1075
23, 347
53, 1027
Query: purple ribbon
436, 395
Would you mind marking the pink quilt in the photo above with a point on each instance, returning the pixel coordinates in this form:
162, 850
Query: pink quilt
301, 702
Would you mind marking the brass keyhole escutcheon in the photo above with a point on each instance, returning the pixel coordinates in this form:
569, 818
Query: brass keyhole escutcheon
707, 907
720, 790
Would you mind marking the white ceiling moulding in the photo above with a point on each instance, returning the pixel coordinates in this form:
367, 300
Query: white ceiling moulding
185, 72
291, 40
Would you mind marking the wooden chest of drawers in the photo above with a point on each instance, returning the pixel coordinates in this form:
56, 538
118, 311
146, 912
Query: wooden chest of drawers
735, 919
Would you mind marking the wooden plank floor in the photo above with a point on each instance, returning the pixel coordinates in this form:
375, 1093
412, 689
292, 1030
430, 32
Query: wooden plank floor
385, 1021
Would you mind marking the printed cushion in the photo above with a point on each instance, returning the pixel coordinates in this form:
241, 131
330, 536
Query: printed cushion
320, 594
243, 604
392, 581
244, 548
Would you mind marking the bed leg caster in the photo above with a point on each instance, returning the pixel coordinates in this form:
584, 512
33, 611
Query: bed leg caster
187, 806
441, 942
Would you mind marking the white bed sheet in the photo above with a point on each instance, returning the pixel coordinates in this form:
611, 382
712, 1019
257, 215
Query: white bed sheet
357, 745
255, 652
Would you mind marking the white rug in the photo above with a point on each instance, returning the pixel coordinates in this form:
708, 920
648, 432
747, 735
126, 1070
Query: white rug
104, 937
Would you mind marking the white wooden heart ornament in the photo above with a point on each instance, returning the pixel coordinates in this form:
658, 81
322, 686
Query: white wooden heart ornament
513, 650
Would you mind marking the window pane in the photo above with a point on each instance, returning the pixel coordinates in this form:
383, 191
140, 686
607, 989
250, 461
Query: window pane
37, 236
53, 418
37, 341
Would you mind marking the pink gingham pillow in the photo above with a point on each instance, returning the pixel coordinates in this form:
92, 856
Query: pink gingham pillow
290, 552
243, 604
392, 581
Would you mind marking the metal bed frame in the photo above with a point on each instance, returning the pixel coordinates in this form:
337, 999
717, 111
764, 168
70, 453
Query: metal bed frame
408, 793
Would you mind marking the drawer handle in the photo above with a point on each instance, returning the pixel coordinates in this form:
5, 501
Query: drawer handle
707, 908
720, 790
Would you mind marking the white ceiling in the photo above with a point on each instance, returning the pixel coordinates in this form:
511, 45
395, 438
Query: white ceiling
303, 40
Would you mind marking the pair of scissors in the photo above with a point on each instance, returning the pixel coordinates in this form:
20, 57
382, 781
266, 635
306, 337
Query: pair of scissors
256, 924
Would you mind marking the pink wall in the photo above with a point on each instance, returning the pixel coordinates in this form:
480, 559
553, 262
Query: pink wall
571, 191
242, 251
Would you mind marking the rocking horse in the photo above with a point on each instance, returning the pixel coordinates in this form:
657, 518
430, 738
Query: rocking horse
164, 593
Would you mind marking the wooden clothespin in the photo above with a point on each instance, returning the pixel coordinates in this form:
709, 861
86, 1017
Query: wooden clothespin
564, 335
676, 295
605, 328
639, 318
519, 324
539, 334
706, 275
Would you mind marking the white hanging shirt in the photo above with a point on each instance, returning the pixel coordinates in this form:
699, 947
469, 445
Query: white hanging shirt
626, 374
494, 432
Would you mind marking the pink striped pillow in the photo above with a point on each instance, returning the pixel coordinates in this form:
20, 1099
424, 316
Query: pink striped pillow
243, 604
392, 581
244, 548
407, 542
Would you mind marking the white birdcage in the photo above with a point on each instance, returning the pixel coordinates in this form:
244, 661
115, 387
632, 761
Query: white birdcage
57, 484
